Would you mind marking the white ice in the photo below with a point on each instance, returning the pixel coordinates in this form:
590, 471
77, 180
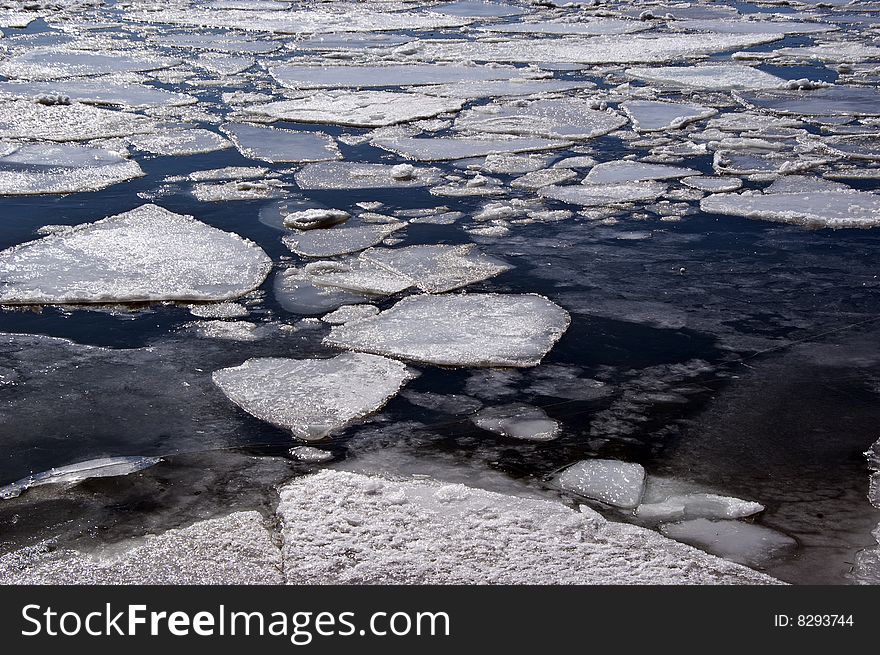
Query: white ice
555, 119
21, 119
60, 64
657, 116
443, 148
296, 76
278, 146
746, 543
518, 421
104, 467
713, 77
352, 175
313, 398
98, 92
180, 142
601, 195
613, 172
620, 484
339, 240
698, 505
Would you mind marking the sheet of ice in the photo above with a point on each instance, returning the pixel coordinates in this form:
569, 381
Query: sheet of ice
348, 528
445, 148
277, 146
710, 77
657, 116
437, 268
218, 310
298, 76
698, 505
356, 275
350, 313
616, 483
98, 92
613, 172
746, 543
592, 26
460, 330
504, 88
599, 50
712, 184
826, 209
313, 398
555, 119
832, 52
60, 64
518, 421
310, 454
21, 119
18, 19
234, 549
724, 26
61, 168
243, 190
146, 254
340, 240
601, 195
315, 219
478, 9
358, 108
539, 179
104, 467
847, 101
180, 142
352, 175
216, 42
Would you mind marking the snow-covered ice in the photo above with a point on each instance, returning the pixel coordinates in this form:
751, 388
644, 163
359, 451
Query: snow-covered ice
601, 195
716, 77
620, 484
554, 119
746, 543
297, 76
614, 172
440, 149
340, 240
22, 119
313, 398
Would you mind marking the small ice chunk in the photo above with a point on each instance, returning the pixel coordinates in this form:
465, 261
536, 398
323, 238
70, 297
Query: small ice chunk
227, 330
56, 64
313, 398
601, 195
547, 177
745, 543
633, 171
349, 175
656, 116
616, 483
104, 467
460, 330
440, 149
715, 77
143, 255
310, 454
238, 190
297, 76
518, 421
218, 310
350, 313
712, 184
339, 240
279, 146
554, 119
34, 169
358, 108
311, 219
698, 505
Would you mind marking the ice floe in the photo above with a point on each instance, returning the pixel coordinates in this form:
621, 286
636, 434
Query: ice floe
698, 505
180, 142
97, 92
746, 543
313, 219
275, 146
715, 77
146, 254
601, 195
554, 119
313, 398
340, 240
73, 473
657, 116
439, 149
620, 484
297, 76
614, 172
831, 101
56, 65
518, 421
21, 119
354, 175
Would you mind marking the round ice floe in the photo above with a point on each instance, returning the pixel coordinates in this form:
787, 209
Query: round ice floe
313, 397
616, 483
315, 218
712, 184
146, 254
460, 330
518, 421
613, 172
274, 145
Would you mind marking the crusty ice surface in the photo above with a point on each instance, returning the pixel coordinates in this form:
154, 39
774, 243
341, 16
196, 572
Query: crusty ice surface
358, 108
297, 76
313, 398
274, 145
72, 473
439, 149
53, 65
61, 168
849, 101
746, 543
98, 92
600, 195
554, 119
146, 254
22, 119
180, 142
339, 240
614, 172
460, 330
620, 484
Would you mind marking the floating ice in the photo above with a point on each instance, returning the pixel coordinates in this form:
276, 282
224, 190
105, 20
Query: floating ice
348, 175
746, 543
831, 209
55, 65
594, 26
312, 219
555, 119
712, 184
218, 310
310, 454
832, 52
504, 88
358, 108
275, 146
297, 293
61, 168
539, 179
180, 142
715, 77
239, 190
518, 421
216, 42
350, 313
20, 119
356, 275
633, 171
612, 482
751, 26
146, 254
698, 505
478, 9
847, 101
460, 330
313, 398
105, 467
437, 268
601, 195
655, 116
228, 330
439, 149
339, 240
98, 92
297, 76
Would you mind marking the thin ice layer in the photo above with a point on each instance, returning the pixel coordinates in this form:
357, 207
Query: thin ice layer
656, 116
355, 175
146, 254
103, 467
21, 119
460, 330
633, 171
713, 77
98, 92
342, 240
555, 119
313, 397
616, 483
296, 76
277, 146
441, 149
601, 195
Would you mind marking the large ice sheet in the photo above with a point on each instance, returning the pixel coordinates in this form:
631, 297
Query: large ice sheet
313, 398
146, 254
460, 330
616, 483
601, 195
443, 148
297, 76
275, 146
72, 473
61, 168
334, 241
633, 171
358, 108
60, 64
555, 119
657, 116
353, 175
833, 209
21, 119
829, 101
98, 92
715, 77
746, 543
